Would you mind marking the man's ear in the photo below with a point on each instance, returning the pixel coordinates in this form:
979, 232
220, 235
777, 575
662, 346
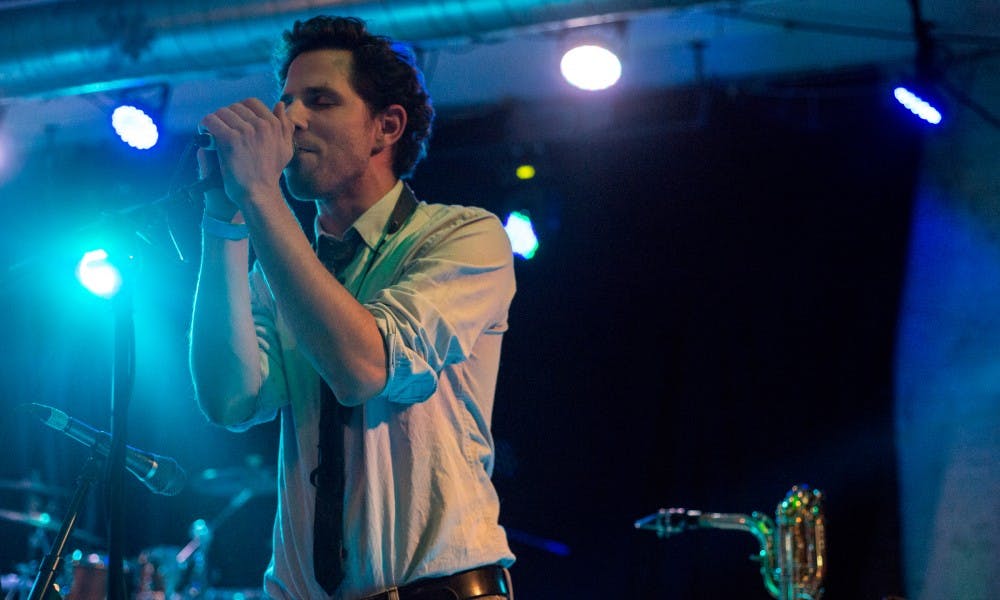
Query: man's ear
391, 123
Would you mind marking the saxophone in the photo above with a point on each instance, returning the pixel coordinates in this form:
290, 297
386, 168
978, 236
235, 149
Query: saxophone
792, 545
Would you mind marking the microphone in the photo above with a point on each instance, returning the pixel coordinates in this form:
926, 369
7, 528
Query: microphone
161, 474
204, 139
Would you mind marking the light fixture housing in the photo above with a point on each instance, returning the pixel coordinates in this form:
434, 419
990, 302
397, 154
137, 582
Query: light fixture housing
591, 56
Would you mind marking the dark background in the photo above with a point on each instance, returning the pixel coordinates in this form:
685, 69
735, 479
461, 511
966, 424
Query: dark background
709, 320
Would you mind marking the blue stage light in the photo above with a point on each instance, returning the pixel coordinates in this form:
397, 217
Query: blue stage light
135, 127
917, 105
98, 274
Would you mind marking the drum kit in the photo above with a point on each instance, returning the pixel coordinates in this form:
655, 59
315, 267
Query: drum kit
158, 573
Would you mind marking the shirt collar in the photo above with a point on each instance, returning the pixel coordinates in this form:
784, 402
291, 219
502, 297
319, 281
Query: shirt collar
371, 224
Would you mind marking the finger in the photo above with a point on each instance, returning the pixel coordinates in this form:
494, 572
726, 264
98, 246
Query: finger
213, 124
287, 126
225, 126
236, 116
254, 117
208, 162
244, 118
248, 116
204, 165
257, 107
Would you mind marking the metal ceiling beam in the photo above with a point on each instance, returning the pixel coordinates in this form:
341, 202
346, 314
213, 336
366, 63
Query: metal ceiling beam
53, 48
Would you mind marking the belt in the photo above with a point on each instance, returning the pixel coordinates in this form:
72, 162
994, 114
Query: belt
474, 583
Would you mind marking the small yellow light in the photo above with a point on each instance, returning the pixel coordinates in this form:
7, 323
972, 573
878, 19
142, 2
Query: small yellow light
525, 172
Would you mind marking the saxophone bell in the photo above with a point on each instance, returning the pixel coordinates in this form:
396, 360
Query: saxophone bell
792, 545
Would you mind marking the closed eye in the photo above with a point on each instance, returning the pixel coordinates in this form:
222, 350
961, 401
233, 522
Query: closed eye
324, 100
316, 97
321, 96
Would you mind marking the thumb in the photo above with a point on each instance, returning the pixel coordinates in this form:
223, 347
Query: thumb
208, 163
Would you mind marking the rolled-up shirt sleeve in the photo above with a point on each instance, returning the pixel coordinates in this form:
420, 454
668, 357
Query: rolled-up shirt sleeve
455, 288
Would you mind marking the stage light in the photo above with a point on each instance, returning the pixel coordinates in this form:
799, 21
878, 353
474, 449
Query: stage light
135, 127
96, 273
919, 103
522, 234
591, 54
136, 113
591, 67
525, 171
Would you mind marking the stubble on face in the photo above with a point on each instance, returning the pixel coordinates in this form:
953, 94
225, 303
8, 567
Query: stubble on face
332, 149
298, 182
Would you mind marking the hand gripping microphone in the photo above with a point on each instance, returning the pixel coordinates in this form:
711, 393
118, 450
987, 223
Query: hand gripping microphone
206, 141
161, 474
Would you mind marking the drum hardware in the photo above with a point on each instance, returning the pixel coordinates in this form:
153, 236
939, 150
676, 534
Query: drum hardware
792, 545
13, 585
230, 482
89, 578
32, 486
39, 502
172, 573
161, 575
233, 594
240, 485
44, 521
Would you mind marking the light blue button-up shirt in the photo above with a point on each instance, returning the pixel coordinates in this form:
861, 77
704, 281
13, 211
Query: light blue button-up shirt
418, 500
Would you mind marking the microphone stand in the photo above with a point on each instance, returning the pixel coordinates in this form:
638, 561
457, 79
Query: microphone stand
43, 587
122, 380
131, 220
126, 223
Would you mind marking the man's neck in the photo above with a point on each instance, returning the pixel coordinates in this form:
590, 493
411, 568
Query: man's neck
337, 214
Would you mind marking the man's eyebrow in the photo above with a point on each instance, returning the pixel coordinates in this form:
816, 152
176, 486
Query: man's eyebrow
317, 90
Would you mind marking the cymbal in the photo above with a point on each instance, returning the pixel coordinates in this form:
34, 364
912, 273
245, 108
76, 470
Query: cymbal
45, 521
230, 481
33, 487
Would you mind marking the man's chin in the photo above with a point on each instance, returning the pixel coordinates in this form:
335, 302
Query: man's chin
299, 189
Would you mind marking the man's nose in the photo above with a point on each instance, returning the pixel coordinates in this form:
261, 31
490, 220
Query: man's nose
296, 112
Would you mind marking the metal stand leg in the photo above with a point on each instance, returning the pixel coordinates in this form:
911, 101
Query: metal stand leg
44, 587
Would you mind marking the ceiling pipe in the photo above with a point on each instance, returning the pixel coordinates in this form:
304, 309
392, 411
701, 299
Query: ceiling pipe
52, 48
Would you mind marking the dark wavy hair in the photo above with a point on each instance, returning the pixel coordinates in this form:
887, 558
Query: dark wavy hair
383, 73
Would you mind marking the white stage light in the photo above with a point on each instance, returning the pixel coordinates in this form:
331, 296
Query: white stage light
135, 127
591, 67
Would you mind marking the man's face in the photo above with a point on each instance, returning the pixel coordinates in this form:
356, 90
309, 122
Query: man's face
335, 133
